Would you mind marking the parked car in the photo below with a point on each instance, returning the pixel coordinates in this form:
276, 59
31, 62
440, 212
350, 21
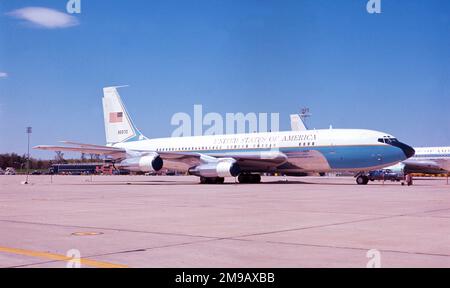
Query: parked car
10, 171
386, 175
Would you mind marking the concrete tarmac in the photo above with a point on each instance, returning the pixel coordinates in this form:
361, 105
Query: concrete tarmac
172, 221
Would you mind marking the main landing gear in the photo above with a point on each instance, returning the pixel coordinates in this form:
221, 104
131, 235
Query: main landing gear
249, 178
242, 178
212, 180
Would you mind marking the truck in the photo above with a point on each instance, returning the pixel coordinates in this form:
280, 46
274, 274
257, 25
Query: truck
386, 175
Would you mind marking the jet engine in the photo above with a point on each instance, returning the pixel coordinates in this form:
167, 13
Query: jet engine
148, 163
216, 169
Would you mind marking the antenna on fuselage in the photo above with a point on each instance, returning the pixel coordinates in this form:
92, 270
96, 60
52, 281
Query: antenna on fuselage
304, 114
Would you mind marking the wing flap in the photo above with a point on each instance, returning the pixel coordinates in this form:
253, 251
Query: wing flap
249, 161
88, 145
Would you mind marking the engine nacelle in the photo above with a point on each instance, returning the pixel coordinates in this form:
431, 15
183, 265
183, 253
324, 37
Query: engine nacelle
149, 163
216, 169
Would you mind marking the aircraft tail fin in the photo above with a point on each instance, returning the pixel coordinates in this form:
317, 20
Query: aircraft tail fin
297, 123
118, 125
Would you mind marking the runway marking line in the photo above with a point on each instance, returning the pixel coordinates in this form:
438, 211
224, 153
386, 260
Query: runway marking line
59, 257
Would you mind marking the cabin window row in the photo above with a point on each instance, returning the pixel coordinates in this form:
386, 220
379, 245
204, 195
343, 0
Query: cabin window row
438, 152
305, 144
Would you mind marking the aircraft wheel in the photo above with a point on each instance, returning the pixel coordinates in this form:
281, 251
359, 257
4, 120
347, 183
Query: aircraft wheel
362, 180
212, 180
249, 178
256, 178
243, 178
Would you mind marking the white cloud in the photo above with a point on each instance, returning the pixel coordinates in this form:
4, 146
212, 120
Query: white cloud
45, 17
3, 75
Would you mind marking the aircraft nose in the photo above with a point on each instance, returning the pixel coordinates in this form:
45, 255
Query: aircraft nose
408, 150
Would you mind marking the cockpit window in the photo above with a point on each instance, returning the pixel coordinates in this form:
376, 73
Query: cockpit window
388, 140
391, 140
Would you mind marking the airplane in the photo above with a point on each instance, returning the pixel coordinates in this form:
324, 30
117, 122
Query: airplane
427, 160
246, 156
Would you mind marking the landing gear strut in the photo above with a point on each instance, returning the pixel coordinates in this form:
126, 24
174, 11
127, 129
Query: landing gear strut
212, 180
249, 178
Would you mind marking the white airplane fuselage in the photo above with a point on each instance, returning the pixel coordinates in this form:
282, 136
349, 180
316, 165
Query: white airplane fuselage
304, 151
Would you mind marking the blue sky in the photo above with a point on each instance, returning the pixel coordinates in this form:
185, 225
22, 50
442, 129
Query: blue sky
388, 72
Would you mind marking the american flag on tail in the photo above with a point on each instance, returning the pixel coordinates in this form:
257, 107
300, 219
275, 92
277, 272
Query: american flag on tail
115, 117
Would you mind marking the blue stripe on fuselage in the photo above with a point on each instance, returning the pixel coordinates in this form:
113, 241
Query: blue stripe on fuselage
349, 157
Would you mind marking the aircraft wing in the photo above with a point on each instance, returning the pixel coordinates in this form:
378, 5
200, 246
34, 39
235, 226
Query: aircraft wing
444, 164
256, 160
428, 166
252, 161
86, 145
248, 161
101, 150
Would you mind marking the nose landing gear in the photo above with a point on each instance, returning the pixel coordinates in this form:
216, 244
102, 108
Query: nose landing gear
362, 179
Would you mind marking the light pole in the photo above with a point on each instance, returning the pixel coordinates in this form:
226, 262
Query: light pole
29, 130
